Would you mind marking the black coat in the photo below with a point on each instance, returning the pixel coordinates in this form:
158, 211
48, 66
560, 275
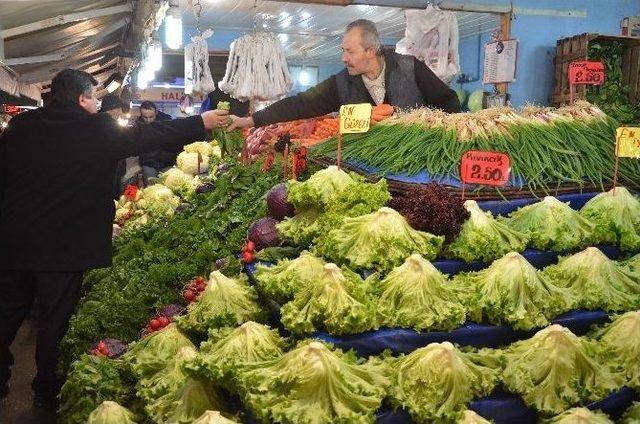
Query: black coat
56, 183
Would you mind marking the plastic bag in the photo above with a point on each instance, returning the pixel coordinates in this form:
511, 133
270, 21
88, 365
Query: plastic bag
432, 37
197, 75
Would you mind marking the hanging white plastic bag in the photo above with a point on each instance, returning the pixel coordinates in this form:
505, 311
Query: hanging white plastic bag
432, 37
197, 75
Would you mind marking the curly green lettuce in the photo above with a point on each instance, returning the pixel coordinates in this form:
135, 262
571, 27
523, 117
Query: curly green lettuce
470, 417
225, 302
111, 413
580, 416
437, 382
621, 343
552, 225
483, 238
318, 190
281, 281
213, 417
380, 240
597, 281
228, 350
314, 384
337, 301
186, 404
632, 415
154, 351
633, 264
300, 229
168, 379
555, 370
511, 291
418, 296
617, 218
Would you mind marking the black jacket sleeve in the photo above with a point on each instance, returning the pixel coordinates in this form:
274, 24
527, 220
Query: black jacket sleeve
316, 101
435, 92
132, 141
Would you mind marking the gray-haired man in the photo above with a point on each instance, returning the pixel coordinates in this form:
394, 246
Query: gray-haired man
372, 75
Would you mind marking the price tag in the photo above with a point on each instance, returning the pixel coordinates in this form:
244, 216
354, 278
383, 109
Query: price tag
487, 168
628, 142
586, 72
355, 118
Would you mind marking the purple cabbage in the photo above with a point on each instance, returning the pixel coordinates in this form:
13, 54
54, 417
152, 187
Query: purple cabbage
116, 347
263, 233
205, 187
277, 203
171, 310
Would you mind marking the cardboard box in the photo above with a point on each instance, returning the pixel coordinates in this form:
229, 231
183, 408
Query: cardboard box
631, 26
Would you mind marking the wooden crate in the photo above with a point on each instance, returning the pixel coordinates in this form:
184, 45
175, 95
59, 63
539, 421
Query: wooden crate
575, 48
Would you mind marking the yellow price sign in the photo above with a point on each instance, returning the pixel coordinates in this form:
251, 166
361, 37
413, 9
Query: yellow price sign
355, 118
628, 142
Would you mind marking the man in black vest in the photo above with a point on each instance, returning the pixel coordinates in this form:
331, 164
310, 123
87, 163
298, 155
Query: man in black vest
371, 76
56, 209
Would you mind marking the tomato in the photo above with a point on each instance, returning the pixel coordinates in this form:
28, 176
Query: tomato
189, 295
201, 286
154, 324
163, 321
250, 246
247, 257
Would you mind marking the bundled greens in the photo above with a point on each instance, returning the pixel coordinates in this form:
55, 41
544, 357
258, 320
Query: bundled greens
281, 281
154, 351
224, 302
470, 417
186, 404
313, 384
437, 382
616, 215
228, 350
555, 369
580, 416
621, 343
632, 416
90, 381
167, 380
318, 190
596, 281
482, 238
111, 413
337, 301
378, 240
417, 295
213, 417
511, 291
552, 225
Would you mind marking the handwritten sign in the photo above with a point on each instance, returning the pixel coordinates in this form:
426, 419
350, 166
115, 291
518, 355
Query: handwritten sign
628, 142
355, 118
586, 72
487, 168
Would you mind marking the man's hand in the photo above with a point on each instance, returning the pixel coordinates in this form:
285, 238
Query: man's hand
215, 118
238, 122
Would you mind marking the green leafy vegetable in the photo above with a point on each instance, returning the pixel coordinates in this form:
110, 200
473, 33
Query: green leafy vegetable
300, 229
186, 404
111, 413
417, 295
225, 302
337, 301
228, 350
437, 382
379, 240
470, 417
511, 291
632, 416
555, 369
313, 384
621, 342
552, 225
213, 417
580, 416
318, 190
617, 218
596, 281
634, 263
281, 281
167, 380
91, 380
154, 351
482, 238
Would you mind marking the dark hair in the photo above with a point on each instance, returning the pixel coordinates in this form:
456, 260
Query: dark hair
370, 37
110, 102
69, 84
148, 105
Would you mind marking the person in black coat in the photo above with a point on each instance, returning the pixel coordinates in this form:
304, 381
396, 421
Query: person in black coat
56, 209
158, 160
